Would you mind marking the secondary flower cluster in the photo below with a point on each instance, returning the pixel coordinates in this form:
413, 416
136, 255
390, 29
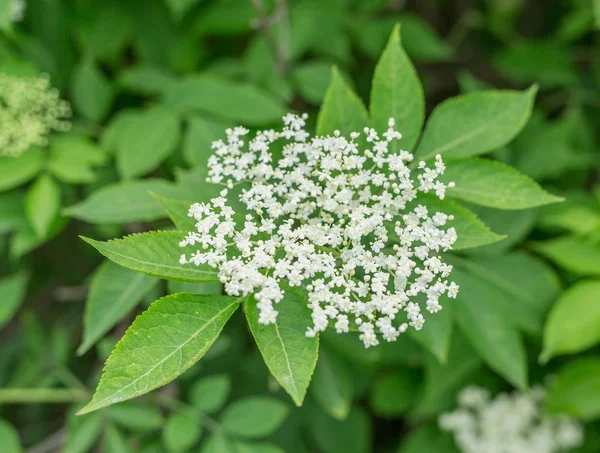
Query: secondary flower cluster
29, 109
341, 221
509, 423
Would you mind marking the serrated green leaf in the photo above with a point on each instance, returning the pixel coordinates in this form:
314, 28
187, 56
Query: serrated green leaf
210, 393
331, 385
290, 355
15, 171
13, 290
223, 99
573, 324
396, 92
490, 333
147, 358
42, 204
9, 438
92, 92
471, 231
181, 431
576, 389
156, 254
254, 417
114, 292
127, 201
572, 253
150, 138
342, 109
475, 123
494, 184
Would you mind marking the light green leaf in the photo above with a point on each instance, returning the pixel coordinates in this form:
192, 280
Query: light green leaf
475, 123
490, 333
136, 416
573, 324
342, 109
210, 393
42, 204
91, 91
150, 138
254, 417
72, 159
226, 100
180, 7
9, 438
114, 441
200, 134
332, 385
393, 394
13, 290
576, 389
147, 358
145, 79
471, 231
82, 433
494, 184
436, 338
156, 253
127, 201
289, 354
114, 292
573, 253
15, 171
181, 431
312, 79
396, 92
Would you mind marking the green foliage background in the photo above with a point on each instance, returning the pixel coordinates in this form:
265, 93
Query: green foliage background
152, 83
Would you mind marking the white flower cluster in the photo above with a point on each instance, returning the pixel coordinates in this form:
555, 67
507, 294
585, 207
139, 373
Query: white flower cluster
29, 109
331, 217
509, 423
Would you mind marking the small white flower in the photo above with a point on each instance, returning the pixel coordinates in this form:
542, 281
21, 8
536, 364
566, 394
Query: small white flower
325, 216
508, 423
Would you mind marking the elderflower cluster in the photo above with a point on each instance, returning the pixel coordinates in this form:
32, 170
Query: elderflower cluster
341, 221
509, 423
29, 109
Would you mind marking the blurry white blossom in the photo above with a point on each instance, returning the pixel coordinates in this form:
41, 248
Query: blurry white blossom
324, 215
17, 10
509, 423
29, 109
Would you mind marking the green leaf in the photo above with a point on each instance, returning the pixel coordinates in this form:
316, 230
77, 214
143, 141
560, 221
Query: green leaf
210, 393
114, 441
127, 201
573, 324
114, 292
12, 212
312, 79
150, 138
254, 417
181, 431
332, 385
223, 99
72, 159
13, 290
342, 109
471, 231
428, 439
393, 394
15, 171
145, 79
421, 41
596, 6
436, 338
573, 253
82, 433
156, 253
576, 389
290, 355
147, 358
42, 204
9, 438
175, 286
262, 447
200, 134
490, 333
91, 91
177, 211
475, 123
396, 92
136, 417
493, 184
352, 435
